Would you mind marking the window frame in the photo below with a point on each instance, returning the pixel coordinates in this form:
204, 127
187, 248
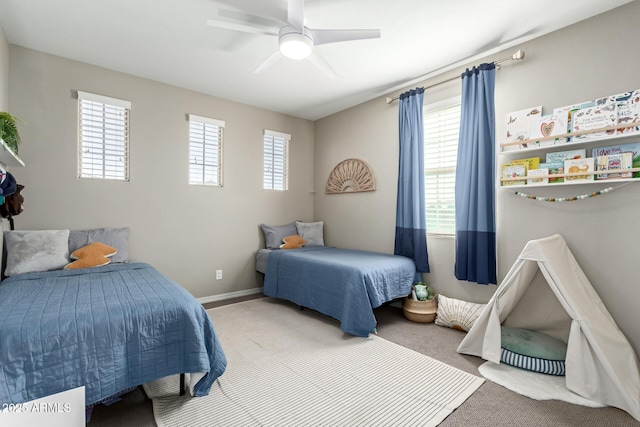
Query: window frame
214, 166
271, 137
439, 169
110, 140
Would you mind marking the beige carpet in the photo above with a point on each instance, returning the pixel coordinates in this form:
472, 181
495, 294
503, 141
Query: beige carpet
288, 367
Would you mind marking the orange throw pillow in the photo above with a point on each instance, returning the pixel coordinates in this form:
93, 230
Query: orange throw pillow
293, 242
93, 255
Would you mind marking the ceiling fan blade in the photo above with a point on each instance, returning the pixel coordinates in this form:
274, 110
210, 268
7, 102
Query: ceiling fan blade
240, 27
252, 20
295, 14
333, 36
269, 62
318, 60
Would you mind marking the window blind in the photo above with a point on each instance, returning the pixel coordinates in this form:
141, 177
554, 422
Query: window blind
276, 160
441, 130
205, 150
103, 134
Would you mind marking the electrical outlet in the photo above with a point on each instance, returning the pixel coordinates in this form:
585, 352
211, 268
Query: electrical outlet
218, 274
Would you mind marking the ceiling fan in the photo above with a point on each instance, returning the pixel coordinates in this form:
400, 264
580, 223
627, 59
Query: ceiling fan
295, 40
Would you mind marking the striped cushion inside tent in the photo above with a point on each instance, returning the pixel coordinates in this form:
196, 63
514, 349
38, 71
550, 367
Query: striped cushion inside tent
536, 364
532, 350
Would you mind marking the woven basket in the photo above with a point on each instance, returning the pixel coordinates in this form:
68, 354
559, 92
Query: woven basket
419, 311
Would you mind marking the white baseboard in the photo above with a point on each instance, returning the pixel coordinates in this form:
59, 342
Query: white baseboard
229, 295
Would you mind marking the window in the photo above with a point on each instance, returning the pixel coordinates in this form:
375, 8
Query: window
441, 128
276, 160
205, 151
103, 134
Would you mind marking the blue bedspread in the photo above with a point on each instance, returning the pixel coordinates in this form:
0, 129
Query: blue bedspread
106, 328
344, 284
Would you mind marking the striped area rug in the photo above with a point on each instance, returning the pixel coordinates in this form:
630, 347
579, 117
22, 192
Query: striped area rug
288, 367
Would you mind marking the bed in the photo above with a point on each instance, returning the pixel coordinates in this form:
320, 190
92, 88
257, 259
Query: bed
341, 283
106, 328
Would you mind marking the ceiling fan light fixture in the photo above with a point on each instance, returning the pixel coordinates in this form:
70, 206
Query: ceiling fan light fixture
295, 45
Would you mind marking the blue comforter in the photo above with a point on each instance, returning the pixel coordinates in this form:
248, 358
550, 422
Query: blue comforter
344, 284
106, 328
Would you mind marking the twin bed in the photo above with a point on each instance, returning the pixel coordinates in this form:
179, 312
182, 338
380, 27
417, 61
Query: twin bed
341, 283
107, 328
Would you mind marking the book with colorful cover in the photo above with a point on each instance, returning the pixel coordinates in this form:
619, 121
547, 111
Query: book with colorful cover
553, 168
518, 124
603, 114
548, 126
561, 156
633, 148
531, 162
567, 112
543, 172
628, 112
613, 162
577, 166
514, 171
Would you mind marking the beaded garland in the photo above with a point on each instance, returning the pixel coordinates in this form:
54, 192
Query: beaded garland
564, 199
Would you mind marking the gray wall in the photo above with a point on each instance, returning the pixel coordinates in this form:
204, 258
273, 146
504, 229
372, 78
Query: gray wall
186, 231
587, 60
4, 71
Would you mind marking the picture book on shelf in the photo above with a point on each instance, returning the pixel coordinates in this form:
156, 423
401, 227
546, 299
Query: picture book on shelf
567, 112
561, 156
633, 148
531, 162
519, 126
514, 171
554, 168
577, 166
614, 162
602, 115
628, 104
548, 126
538, 172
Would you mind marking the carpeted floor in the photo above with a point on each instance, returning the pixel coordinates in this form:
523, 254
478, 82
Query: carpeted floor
288, 367
491, 405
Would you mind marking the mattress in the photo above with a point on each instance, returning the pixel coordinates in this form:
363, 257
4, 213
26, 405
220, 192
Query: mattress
261, 260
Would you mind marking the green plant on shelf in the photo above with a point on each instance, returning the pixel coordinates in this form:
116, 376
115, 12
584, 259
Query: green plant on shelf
9, 131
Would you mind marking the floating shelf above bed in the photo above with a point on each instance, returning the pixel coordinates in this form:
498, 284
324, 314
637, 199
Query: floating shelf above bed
8, 157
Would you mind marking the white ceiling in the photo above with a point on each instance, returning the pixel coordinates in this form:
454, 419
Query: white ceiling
169, 41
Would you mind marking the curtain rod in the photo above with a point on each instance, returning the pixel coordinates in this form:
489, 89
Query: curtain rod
518, 56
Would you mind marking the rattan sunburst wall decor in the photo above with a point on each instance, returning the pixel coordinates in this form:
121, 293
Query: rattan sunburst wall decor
350, 176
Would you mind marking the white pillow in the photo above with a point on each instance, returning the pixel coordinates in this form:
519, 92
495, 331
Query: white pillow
30, 251
312, 232
457, 314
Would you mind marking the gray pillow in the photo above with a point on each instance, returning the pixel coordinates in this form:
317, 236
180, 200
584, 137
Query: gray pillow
273, 234
115, 237
37, 250
312, 232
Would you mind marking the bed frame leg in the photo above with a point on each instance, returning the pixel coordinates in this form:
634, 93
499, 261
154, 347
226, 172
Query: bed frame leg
181, 384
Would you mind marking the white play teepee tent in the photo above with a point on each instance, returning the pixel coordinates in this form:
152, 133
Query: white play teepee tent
547, 291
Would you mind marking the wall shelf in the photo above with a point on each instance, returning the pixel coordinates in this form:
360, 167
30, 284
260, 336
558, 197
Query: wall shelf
564, 184
524, 152
567, 144
8, 157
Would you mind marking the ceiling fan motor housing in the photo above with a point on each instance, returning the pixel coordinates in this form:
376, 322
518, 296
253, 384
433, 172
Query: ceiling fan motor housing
295, 44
